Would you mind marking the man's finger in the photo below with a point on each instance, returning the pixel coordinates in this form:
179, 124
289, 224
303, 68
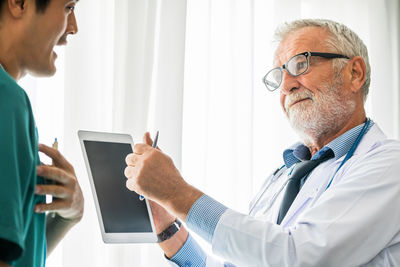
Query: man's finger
53, 173
130, 159
147, 139
139, 149
56, 156
129, 171
56, 205
49, 151
131, 185
54, 190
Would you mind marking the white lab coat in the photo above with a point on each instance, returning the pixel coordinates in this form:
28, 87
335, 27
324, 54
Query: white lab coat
355, 222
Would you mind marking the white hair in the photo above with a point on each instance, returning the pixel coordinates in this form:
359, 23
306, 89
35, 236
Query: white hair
342, 40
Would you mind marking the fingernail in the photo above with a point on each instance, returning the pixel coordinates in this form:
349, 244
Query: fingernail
37, 209
37, 189
38, 170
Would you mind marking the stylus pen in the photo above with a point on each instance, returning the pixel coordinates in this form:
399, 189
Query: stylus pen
154, 145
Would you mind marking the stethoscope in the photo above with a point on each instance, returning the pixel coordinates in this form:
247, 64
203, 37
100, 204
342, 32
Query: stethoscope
278, 173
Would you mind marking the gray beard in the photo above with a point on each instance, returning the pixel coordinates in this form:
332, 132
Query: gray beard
315, 120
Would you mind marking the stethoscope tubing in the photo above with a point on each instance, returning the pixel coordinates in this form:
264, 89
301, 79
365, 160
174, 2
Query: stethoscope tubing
275, 176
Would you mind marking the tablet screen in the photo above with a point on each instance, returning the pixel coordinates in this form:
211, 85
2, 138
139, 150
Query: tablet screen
121, 209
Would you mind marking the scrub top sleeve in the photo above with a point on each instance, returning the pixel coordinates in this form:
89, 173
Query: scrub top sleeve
13, 123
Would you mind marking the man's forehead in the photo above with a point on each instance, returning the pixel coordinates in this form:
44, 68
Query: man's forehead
302, 40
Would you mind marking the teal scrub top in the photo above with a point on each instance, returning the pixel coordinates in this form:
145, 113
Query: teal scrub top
21, 228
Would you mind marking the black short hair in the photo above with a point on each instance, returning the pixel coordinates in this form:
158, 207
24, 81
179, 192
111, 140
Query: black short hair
41, 5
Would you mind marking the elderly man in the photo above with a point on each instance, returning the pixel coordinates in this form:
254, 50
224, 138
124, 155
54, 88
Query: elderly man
335, 200
29, 30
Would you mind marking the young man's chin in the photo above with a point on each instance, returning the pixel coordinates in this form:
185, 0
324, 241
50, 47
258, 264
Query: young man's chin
44, 72
46, 68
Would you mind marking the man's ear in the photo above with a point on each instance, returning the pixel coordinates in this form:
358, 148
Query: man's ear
358, 72
16, 7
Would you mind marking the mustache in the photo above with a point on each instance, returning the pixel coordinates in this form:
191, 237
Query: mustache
295, 97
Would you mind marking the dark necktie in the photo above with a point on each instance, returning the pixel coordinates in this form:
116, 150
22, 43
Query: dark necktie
301, 170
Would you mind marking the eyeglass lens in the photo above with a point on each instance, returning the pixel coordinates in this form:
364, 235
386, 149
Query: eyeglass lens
295, 66
273, 79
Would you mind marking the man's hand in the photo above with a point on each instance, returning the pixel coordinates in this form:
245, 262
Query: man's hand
67, 195
152, 174
163, 219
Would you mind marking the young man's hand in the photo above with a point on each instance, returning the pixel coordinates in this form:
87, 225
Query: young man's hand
67, 194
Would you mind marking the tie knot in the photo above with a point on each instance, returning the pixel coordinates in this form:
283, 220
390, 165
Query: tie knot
303, 168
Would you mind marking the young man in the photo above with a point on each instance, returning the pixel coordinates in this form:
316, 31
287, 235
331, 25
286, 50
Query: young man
29, 30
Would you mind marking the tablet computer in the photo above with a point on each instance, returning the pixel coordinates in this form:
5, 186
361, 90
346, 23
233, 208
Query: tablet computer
123, 217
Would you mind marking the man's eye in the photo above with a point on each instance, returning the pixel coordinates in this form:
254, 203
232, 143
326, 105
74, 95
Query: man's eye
71, 8
300, 65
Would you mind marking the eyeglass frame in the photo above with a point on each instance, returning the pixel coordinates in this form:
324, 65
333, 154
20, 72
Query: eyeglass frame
307, 55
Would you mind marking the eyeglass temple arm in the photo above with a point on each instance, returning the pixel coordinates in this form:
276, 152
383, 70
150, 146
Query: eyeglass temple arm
328, 55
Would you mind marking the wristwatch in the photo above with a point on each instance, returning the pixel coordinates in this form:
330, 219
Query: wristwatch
170, 231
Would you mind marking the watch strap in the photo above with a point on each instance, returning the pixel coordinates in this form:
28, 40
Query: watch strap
170, 231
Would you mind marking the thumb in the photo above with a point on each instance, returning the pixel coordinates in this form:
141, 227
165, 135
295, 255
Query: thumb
147, 139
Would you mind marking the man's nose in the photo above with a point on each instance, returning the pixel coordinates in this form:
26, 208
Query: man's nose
72, 27
289, 83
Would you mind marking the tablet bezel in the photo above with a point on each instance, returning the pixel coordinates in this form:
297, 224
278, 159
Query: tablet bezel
150, 237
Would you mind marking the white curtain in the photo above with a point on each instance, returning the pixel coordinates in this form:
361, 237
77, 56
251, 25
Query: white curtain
193, 71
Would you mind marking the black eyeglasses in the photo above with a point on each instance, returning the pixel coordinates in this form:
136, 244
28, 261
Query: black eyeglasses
297, 65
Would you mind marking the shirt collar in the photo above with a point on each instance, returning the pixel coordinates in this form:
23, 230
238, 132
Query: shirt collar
340, 146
